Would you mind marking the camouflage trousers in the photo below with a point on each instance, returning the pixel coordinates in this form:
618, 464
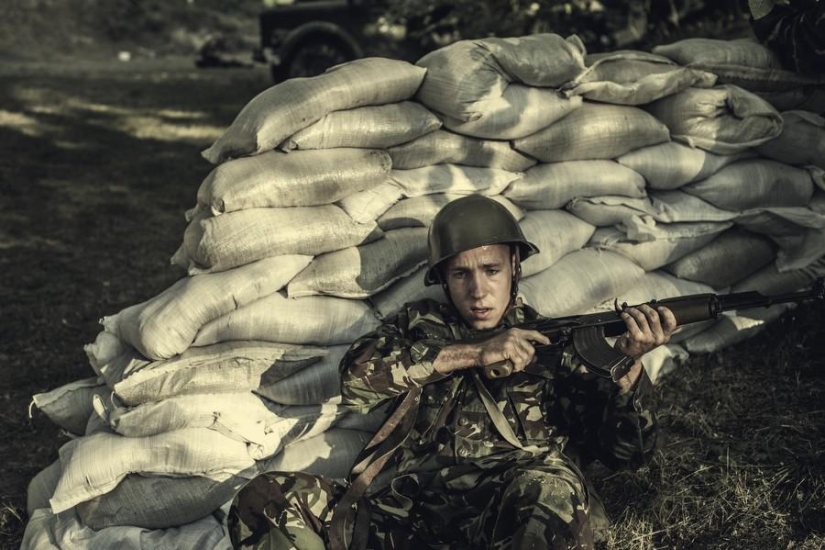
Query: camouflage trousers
496, 504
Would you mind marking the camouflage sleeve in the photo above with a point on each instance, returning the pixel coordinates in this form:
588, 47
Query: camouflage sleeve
606, 423
796, 33
386, 363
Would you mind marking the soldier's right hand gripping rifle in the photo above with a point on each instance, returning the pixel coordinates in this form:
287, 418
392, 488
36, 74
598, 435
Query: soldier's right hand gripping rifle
588, 332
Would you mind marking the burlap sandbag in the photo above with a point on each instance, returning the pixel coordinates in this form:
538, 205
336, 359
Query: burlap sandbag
316, 385
724, 120
519, 112
407, 289
280, 111
579, 281
453, 178
466, 77
671, 165
672, 242
801, 142
368, 205
238, 238
734, 328
729, 258
798, 231
166, 325
769, 280
361, 271
594, 131
41, 487
664, 360
443, 147
556, 233
551, 186
312, 320
634, 78
755, 183
70, 405
420, 211
374, 127
330, 454
300, 178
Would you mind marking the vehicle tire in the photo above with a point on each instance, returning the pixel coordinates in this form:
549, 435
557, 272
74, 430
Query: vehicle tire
312, 56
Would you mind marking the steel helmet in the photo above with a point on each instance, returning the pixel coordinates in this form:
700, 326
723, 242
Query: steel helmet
470, 222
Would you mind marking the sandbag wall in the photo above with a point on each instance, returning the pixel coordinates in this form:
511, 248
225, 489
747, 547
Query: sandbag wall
639, 175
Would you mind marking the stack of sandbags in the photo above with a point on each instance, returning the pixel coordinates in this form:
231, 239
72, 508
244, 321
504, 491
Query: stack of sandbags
637, 175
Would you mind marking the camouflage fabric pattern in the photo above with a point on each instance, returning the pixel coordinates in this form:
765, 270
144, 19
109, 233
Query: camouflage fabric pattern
795, 30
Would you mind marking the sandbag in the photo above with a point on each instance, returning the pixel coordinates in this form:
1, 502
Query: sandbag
443, 147
663, 360
373, 127
723, 120
41, 487
799, 232
420, 211
594, 131
220, 368
330, 454
70, 405
734, 328
319, 384
754, 183
238, 238
300, 178
670, 165
466, 76
361, 271
519, 112
280, 111
95, 464
769, 280
801, 142
579, 281
407, 289
551, 186
315, 320
453, 178
671, 243
367, 206
730, 257
634, 78
556, 233
165, 326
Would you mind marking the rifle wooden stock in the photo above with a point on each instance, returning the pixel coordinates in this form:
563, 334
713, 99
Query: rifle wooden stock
587, 332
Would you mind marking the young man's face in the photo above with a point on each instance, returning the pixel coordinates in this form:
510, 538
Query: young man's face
479, 283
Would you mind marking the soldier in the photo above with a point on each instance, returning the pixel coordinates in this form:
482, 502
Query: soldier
794, 29
466, 461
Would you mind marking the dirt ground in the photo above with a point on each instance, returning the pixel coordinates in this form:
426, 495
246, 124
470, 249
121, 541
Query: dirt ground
101, 159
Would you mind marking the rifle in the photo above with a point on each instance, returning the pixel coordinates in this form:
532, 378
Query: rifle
587, 332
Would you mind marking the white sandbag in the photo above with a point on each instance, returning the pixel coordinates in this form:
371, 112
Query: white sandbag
374, 127
734, 328
420, 211
453, 178
70, 405
801, 142
361, 271
720, 52
41, 488
104, 349
220, 368
671, 243
556, 233
464, 78
519, 112
443, 147
330, 454
367, 206
280, 111
755, 183
316, 385
643, 213
769, 280
551, 186
93, 465
161, 502
594, 131
799, 232
65, 531
724, 120
165, 326
407, 289
634, 78
315, 320
300, 178
663, 360
579, 281
730, 257
238, 238
671, 165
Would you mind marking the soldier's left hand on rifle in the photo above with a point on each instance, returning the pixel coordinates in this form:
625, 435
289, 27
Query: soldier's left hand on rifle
647, 328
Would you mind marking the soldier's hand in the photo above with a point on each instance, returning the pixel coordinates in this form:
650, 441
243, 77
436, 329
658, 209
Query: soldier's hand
514, 345
647, 328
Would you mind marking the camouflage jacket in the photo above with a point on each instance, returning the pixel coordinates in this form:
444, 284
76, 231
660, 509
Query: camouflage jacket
794, 29
554, 404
